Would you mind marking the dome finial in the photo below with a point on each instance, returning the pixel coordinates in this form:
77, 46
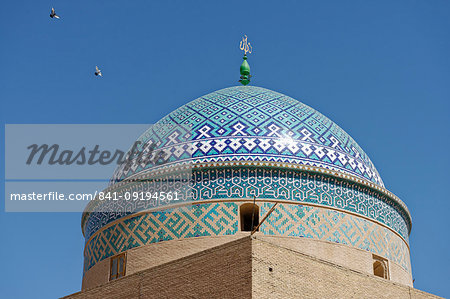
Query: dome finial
245, 46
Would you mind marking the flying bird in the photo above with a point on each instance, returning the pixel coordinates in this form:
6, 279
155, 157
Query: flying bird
53, 14
98, 72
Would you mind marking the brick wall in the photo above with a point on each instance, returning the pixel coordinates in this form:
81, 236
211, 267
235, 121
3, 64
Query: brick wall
297, 275
144, 257
220, 272
339, 254
251, 268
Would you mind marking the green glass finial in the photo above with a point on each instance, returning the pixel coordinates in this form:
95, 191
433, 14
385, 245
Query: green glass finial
245, 68
245, 72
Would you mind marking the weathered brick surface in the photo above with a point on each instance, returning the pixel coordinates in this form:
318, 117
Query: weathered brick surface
144, 257
339, 254
297, 275
220, 272
240, 269
97, 275
152, 255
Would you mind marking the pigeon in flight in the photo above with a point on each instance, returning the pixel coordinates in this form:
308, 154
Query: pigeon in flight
53, 14
98, 72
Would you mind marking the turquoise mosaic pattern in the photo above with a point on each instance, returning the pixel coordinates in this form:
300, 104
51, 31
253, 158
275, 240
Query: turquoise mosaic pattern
195, 221
337, 227
216, 219
247, 182
254, 124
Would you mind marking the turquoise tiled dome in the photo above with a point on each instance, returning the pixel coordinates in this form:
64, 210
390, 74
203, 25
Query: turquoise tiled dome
244, 144
248, 123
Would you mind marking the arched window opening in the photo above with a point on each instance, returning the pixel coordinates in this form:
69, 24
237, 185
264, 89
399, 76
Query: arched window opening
380, 267
249, 211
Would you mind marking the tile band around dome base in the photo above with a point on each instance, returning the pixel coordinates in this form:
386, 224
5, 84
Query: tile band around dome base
316, 185
288, 219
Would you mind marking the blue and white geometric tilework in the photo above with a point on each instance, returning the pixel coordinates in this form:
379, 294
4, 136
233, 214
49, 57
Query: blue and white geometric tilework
219, 219
249, 123
253, 124
280, 184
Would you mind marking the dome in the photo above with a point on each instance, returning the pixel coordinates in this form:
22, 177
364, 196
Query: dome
247, 152
248, 123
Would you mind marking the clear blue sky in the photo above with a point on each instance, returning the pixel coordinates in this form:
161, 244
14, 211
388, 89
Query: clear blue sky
379, 69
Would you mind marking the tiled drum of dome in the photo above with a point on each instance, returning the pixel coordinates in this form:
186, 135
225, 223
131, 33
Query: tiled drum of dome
329, 225
245, 124
279, 184
253, 123
213, 219
216, 219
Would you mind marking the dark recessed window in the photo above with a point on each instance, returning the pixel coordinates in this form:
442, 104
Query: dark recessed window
117, 266
380, 267
248, 212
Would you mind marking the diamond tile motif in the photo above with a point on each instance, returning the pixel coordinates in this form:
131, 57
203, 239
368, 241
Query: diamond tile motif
238, 126
259, 114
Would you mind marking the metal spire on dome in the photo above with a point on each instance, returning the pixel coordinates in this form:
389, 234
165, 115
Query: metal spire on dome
245, 46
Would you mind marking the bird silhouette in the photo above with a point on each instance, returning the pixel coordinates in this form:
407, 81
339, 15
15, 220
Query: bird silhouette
53, 14
98, 72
